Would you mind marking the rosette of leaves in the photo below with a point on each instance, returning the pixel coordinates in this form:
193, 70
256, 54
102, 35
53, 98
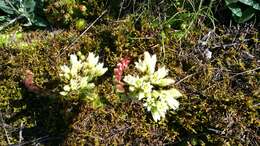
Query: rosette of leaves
153, 87
67, 13
15, 10
243, 10
79, 75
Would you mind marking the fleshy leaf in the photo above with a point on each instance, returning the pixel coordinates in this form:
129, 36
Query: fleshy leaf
174, 93
156, 115
100, 70
66, 88
149, 87
150, 62
80, 74
131, 80
92, 60
165, 82
63, 93
140, 66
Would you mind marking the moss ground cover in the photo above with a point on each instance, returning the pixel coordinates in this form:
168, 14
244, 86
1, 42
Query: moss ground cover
216, 70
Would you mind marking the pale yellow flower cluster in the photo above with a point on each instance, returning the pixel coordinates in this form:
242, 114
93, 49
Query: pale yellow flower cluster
157, 100
79, 75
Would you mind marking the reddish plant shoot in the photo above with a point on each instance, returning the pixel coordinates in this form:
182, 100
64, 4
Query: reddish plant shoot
28, 82
118, 72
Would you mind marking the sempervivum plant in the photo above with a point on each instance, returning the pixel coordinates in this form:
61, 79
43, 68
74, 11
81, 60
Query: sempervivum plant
118, 72
151, 87
80, 74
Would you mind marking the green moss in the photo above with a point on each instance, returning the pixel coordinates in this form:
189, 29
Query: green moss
219, 106
64, 13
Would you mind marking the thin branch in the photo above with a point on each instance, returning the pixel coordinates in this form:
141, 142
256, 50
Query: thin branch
21, 133
257, 104
6, 133
188, 76
12, 6
141, 38
10, 22
237, 74
216, 131
41, 139
248, 71
230, 44
120, 10
75, 40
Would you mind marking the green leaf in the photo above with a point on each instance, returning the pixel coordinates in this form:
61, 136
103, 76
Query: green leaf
253, 3
247, 14
235, 9
256, 5
29, 5
228, 2
38, 21
6, 8
247, 2
4, 18
63, 93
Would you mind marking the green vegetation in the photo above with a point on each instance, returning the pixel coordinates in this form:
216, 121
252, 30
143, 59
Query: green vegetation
79, 76
144, 88
22, 9
215, 67
243, 10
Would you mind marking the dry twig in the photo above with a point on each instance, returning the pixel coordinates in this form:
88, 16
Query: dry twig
21, 133
188, 76
237, 74
3, 125
75, 40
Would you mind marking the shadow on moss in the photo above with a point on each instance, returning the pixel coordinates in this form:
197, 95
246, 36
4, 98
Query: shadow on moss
49, 117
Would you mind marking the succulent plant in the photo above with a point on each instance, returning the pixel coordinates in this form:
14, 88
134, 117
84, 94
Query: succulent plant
151, 87
118, 72
80, 74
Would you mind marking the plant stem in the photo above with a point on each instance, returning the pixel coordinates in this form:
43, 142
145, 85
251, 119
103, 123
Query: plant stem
10, 22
